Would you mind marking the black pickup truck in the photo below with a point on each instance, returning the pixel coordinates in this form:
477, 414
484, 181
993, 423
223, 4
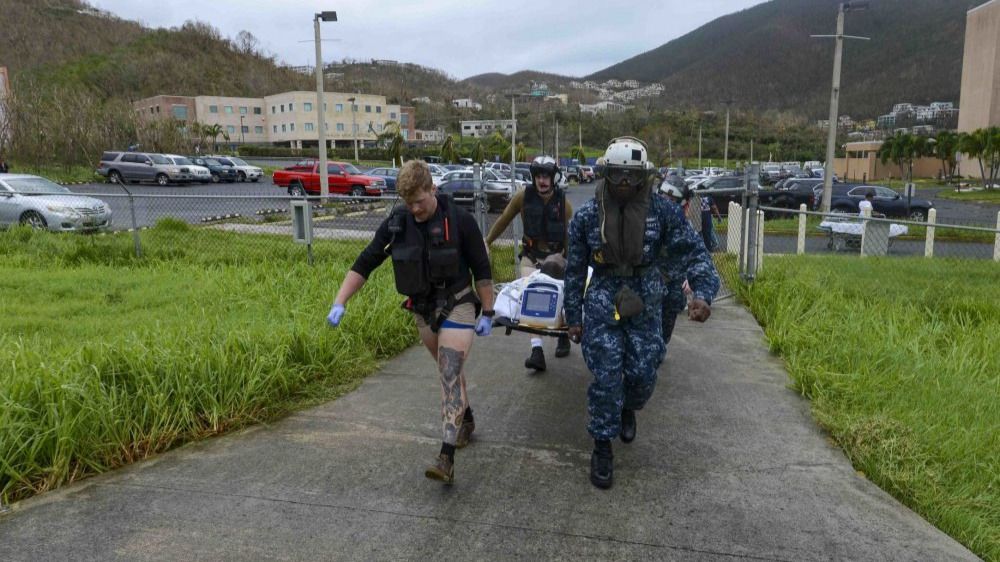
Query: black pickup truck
790, 195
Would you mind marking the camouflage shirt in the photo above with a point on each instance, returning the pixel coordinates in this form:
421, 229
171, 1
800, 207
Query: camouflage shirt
671, 250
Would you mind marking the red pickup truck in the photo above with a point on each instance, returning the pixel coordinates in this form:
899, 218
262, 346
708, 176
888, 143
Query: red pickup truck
302, 179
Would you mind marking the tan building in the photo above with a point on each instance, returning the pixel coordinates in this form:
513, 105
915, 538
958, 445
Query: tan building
286, 119
863, 165
980, 99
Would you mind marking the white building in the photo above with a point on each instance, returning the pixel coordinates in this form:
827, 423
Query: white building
423, 99
601, 107
466, 103
430, 136
631, 83
485, 128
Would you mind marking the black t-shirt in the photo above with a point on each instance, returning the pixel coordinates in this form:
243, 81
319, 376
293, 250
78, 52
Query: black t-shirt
472, 257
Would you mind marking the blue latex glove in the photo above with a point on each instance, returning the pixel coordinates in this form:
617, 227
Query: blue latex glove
484, 327
336, 313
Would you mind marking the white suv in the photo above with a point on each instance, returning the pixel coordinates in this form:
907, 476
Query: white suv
201, 174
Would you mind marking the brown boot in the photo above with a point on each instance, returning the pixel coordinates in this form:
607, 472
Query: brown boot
443, 469
465, 433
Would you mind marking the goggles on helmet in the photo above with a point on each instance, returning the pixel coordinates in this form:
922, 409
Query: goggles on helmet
634, 177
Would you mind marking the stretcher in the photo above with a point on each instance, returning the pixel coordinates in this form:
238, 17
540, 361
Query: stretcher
841, 234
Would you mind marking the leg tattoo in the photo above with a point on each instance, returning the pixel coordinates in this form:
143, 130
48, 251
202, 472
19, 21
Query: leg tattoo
453, 400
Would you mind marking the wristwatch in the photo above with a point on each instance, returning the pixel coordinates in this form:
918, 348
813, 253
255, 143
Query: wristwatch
489, 313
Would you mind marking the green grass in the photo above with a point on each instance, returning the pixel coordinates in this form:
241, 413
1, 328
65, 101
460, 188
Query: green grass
59, 174
899, 358
107, 359
981, 196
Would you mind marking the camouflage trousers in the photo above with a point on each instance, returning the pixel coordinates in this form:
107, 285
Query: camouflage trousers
623, 358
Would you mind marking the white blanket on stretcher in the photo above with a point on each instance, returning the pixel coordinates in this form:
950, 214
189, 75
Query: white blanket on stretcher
508, 301
856, 228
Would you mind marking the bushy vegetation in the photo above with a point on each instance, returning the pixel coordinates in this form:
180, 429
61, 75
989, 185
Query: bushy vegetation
899, 358
106, 359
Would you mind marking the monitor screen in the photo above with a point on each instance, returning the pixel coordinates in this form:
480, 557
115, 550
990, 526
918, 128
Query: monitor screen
538, 302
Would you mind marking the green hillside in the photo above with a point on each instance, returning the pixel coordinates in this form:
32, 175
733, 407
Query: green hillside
763, 57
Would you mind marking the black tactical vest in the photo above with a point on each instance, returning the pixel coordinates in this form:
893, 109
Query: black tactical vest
425, 267
544, 223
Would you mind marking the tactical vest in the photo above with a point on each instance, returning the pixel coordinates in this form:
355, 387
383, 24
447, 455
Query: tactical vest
428, 270
544, 223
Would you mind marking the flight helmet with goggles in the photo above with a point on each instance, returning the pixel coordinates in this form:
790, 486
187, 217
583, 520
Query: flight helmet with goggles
625, 162
544, 165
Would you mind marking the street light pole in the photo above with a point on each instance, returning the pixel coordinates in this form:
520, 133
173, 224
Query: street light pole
243, 139
725, 152
324, 180
354, 127
831, 137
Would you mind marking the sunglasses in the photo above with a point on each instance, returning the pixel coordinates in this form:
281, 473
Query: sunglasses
632, 176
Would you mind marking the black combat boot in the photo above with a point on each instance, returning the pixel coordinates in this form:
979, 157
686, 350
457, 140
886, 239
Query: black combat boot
628, 425
562, 346
602, 465
536, 360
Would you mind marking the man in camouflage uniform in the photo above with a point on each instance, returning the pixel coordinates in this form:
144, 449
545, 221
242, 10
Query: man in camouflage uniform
628, 235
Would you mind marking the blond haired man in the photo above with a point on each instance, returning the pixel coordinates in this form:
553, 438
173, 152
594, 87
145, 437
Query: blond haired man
440, 264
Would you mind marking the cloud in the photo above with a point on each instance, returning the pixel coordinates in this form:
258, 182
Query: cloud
460, 37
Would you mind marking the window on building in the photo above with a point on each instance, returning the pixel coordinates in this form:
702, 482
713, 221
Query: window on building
404, 119
284, 128
308, 126
275, 128
230, 129
378, 128
368, 109
307, 106
291, 127
282, 108
257, 111
340, 127
392, 115
258, 130
378, 109
245, 128
228, 109
356, 128
213, 109
467, 127
339, 108
243, 110
180, 112
290, 108
325, 109
354, 108
273, 110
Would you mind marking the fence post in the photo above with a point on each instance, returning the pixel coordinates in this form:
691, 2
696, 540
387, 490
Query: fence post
865, 215
754, 234
929, 244
996, 244
135, 224
735, 225
760, 242
801, 246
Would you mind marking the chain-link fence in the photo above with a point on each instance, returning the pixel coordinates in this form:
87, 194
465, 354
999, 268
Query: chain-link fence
160, 224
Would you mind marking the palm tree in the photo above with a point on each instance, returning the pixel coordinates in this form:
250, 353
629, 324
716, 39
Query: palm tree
520, 153
213, 132
448, 152
984, 146
898, 149
392, 137
945, 149
478, 152
498, 145
578, 153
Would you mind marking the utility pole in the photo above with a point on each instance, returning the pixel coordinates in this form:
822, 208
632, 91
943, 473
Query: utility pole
513, 146
725, 153
579, 132
557, 141
699, 147
670, 151
751, 151
324, 180
831, 137
354, 126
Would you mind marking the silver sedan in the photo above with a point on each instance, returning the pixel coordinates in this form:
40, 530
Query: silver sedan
40, 203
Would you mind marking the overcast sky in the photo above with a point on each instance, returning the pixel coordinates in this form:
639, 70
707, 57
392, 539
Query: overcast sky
461, 37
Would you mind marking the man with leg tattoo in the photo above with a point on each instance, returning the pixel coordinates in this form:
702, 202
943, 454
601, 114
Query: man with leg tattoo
437, 250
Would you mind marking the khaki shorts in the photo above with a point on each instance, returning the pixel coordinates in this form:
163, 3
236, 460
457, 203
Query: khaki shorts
463, 316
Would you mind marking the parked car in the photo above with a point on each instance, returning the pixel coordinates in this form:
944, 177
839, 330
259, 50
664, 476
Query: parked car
714, 183
387, 174
244, 171
343, 178
121, 167
216, 170
846, 197
201, 173
587, 173
452, 167
789, 194
42, 204
770, 173
572, 173
463, 192
437, 172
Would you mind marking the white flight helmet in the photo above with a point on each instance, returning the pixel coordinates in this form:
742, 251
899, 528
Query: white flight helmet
625, 160
671, 190
544, 165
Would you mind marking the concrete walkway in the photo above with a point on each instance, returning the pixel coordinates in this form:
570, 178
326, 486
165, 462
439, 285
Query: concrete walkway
727, 465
